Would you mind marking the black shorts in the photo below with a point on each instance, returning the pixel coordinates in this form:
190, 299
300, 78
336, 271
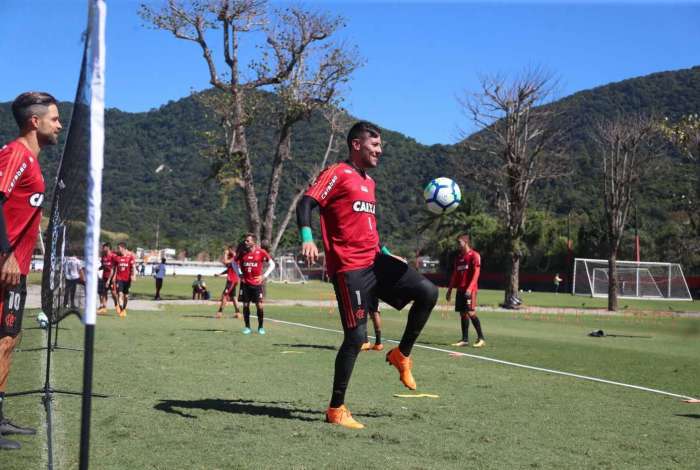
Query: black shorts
230, 289
123, 286
250, 293
102, 287
358, 291
12, 308
462, 304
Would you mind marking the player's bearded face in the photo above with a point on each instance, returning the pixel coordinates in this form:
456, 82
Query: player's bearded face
370, 149
48, 126
249, 243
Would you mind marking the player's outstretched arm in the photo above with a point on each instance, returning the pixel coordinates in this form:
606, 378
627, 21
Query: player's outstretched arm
308, 248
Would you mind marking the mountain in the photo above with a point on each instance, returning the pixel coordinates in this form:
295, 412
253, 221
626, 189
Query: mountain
185, 205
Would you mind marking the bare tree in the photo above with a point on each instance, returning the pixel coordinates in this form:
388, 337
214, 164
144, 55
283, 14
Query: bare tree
519, 144
627, 149
296, 59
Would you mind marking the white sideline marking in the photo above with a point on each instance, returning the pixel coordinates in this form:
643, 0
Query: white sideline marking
499, 361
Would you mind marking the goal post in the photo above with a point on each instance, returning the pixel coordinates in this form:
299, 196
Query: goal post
287, 271
636, 280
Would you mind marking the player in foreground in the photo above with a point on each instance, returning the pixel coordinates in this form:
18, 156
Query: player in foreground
465, 277
232, 281
104, 288
21, 195
359, 269
252, 277
122, 273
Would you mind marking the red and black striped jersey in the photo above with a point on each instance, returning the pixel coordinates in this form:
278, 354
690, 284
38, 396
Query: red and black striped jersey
467, 267
23, 188
348, 223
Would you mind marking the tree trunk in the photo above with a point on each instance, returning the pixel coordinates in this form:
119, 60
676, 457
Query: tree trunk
241, 147
513, 281
612, 279
282, 153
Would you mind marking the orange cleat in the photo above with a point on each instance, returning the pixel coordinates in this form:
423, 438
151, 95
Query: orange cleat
365, 346
403, 364
122, 313
237, 315
378, 347
342, 416
218, 315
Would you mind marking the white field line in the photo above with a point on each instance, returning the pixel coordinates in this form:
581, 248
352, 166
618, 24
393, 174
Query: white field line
499, 361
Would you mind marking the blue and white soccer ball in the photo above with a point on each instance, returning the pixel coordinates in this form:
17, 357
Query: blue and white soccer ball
442, 196
42, 320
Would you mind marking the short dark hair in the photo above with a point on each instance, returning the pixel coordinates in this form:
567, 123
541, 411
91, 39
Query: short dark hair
359, 128
162, 260
107, 244
252, 235
466, 238
122, 244
29, 104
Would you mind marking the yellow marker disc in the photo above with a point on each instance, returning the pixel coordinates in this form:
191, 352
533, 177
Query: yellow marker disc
418, 395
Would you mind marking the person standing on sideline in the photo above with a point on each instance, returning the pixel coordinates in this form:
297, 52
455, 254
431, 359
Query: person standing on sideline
104, 288
465, 277
557, 281
360, 269
75, 274
232, 272
376, 317
21, 196
160, 275
252, 279
123, 273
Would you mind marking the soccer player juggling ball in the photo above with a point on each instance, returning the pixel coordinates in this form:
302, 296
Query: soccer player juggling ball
465, 277
21, 196
359, 268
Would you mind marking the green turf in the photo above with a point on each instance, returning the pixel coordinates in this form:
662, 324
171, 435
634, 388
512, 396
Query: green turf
180, 287
190, 392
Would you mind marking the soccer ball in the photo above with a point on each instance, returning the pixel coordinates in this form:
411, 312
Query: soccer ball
442, 196
42, 320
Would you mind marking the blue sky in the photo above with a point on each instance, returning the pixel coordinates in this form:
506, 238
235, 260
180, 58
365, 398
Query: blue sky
420, 56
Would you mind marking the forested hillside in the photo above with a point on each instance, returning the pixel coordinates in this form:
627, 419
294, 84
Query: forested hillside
185, 202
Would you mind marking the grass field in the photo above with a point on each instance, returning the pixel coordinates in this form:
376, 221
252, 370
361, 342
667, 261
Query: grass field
187, 391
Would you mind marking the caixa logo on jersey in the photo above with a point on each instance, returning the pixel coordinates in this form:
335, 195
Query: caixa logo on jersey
363, 206
36, 199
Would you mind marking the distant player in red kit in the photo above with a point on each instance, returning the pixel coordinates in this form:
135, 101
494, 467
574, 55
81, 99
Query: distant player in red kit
123, 273
232, 281
104, 289
465, 277
361, 271
252, 277
21, 196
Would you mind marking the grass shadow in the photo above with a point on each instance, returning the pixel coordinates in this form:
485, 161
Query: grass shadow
306, 346
690, 415
206, 330
280, 410
247, 407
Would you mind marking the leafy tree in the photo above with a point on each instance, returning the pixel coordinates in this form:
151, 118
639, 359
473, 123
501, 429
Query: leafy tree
297, 62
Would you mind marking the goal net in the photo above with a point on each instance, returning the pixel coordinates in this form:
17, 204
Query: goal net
649, 280
287, 271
